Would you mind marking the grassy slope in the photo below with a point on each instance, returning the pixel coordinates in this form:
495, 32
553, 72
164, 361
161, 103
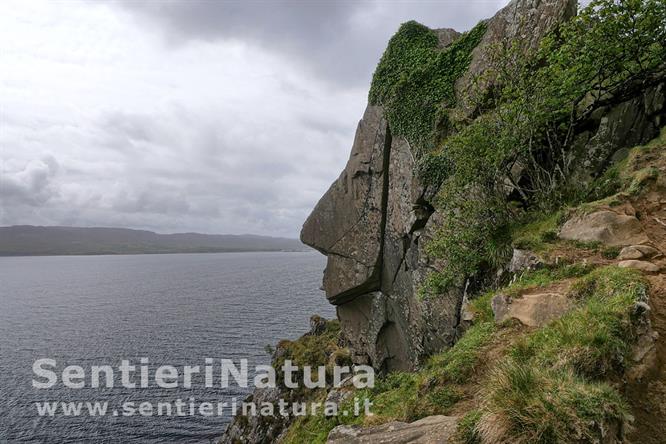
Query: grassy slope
512, 384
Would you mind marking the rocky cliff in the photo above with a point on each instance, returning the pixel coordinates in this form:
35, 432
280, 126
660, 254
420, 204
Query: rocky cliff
555, 311
373, 222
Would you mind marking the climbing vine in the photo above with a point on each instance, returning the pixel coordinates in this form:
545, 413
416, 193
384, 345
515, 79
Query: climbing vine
415, 81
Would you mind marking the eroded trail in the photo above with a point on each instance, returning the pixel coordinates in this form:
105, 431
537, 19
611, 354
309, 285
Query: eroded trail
648, 395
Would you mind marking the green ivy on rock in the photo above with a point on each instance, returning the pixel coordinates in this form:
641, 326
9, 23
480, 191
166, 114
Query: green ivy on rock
415, 81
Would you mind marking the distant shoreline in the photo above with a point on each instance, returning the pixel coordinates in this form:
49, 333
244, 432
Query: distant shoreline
3, 255
29, 240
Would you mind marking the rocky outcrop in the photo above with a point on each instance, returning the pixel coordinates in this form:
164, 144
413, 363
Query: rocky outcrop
610, 130
375, 219
429, 430
522, 260
532, 310
348, 222
257, 429
526, 21
271, 428
446, 36
605, 226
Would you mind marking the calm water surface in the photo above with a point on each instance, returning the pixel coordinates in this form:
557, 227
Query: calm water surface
173, 309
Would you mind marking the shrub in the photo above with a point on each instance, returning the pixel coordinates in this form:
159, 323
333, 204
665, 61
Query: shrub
526, 124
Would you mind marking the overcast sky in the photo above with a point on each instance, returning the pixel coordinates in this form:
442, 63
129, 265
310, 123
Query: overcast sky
208, 116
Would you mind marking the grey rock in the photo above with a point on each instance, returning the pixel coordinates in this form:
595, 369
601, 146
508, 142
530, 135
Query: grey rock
256, 429
522, 260
532, 310
632, 122
500, 305
526, 20
347, 223
604, 226
375, 220
639, 265
637, 252
429, 430
446, 36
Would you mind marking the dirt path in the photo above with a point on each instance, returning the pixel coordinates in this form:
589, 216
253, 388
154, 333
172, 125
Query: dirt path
648, 395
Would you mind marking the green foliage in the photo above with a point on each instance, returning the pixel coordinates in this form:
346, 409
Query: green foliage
520, 147
404, 396
482, 308
433, 390
532, 404
415, 80
546, 276
610, 252
537, 234
314, 351
641, 179
312, 429
610, 282
546, 390
608, 184
457, 363
467, 432
594, 339
610, 45
474, 236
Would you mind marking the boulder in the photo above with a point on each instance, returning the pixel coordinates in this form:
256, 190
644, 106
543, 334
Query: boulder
605, 226
637, 252
523, 260
429, 430
532, 310
639, 265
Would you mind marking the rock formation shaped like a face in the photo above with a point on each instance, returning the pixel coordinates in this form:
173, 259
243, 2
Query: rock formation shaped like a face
347, 223
375, 219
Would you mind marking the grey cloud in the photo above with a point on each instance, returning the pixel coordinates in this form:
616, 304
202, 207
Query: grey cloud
241, 133
340, 41
154, 201
32, 185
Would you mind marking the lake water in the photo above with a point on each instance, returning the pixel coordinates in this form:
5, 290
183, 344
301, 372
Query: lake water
172, 309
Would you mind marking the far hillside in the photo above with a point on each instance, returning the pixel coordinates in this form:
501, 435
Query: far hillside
28, 240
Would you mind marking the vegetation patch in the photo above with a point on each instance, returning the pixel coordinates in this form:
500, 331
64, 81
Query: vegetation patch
515, 157
549, 389
531, 404
467, 432
539, 233
402, 396
313, 350
415, 80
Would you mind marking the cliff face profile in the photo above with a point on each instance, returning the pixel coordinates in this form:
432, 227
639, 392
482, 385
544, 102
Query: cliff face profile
496, 239
376, 218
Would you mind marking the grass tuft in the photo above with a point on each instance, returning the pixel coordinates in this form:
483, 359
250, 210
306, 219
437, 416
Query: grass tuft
548, 389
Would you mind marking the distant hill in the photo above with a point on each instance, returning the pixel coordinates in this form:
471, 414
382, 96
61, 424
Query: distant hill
28, 240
